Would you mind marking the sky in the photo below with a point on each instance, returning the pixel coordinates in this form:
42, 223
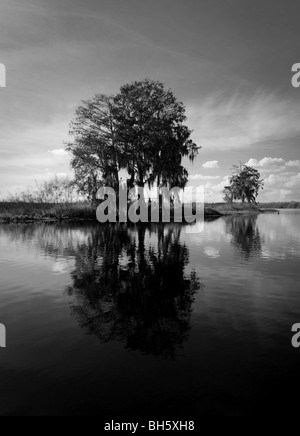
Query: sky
228, 61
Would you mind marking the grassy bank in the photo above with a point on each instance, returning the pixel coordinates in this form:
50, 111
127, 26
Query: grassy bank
282, 205
233, 209
31, 212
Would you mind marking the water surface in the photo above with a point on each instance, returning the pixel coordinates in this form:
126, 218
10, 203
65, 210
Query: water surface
150, 321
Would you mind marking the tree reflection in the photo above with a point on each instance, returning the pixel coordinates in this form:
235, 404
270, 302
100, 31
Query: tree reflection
53, 240
130, 285
246, 235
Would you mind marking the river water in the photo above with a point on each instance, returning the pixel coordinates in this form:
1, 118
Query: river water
155, 322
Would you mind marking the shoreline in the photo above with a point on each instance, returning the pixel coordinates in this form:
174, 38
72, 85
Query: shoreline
11, 213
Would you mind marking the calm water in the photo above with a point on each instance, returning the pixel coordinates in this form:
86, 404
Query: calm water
156, 322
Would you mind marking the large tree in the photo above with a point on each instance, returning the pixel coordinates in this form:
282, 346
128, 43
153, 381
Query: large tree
140, 130
97, 156
245, 184
151, 128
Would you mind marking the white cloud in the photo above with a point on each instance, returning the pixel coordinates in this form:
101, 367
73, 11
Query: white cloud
293, 182
222, 122
282, 182
211, 164
58, 152
202, 177
212, 252
266, 162
281, 187
214, 193
274, 164
293, 163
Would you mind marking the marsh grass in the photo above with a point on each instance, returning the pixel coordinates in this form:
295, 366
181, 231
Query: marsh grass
233, 208
30, 212
27, 212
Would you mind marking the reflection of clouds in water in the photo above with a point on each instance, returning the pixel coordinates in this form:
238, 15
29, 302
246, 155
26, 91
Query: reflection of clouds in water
195, 228
281, 235
270, 254
279, 252
212, 252
53, 240
214, 231
280, 227
80, 236
61, 266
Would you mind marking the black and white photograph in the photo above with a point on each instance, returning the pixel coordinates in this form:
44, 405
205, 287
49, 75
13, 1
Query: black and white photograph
149, 210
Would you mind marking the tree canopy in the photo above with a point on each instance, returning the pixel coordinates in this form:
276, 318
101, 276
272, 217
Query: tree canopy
245, 184
141, 130
96, 154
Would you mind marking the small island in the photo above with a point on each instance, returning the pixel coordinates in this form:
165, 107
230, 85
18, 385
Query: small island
140, 132
51, 213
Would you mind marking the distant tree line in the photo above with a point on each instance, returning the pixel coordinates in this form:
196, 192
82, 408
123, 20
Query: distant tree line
281, 205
